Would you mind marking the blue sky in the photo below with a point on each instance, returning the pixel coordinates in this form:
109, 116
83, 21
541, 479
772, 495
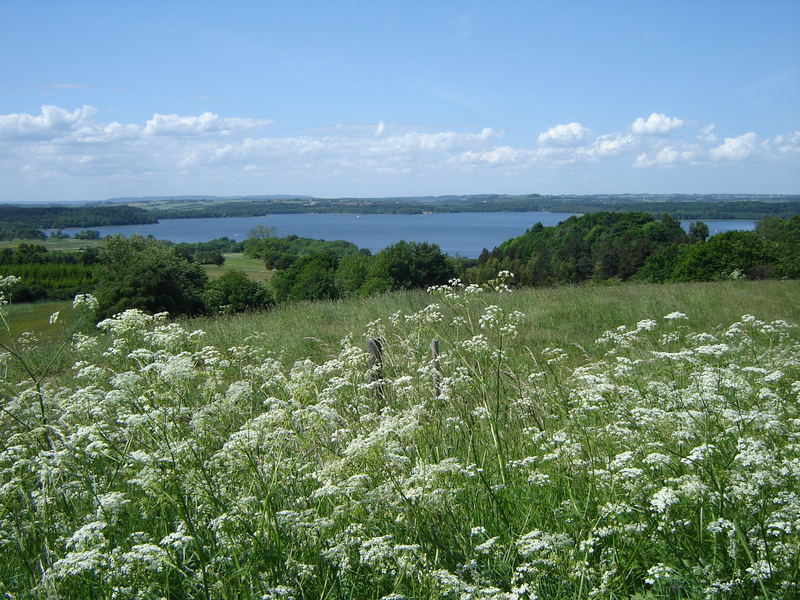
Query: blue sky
102, 99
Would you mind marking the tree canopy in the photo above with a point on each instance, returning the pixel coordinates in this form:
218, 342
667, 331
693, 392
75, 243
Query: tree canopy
142, 273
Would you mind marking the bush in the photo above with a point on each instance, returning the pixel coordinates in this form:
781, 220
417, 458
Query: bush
409, 265
234, 292
310, 277
141, 273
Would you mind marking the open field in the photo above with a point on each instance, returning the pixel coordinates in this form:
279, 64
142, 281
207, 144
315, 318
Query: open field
56, 244
271, 459
254, 267
35, 318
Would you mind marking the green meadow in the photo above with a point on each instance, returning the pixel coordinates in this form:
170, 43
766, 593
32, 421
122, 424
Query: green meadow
54, 244
563, 315
630, 441
253, 267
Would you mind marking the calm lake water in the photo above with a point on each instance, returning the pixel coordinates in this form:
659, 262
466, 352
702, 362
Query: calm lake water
465, 234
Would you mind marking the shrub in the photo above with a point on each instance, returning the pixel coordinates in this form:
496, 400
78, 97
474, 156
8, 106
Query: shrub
234, 292
141, 273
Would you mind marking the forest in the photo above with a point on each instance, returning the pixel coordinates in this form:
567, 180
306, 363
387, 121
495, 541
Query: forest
27, 222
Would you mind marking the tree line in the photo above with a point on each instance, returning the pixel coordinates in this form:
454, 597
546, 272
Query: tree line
678, 206
27, 222
48, 275
636, 246
154, 276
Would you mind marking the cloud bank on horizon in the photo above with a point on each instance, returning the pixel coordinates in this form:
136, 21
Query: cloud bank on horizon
62, 144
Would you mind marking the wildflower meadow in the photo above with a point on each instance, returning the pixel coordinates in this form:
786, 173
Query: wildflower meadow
661, 461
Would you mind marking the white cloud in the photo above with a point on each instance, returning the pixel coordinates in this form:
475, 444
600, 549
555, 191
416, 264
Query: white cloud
656, 124
707, 134
786, 145
737, 148
665, 157
380, 128
567, 134
609, 145
499, 155
202, 124
51, 123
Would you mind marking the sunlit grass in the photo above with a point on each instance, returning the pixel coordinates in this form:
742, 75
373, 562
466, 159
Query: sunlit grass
253, 267
571, 315
34, 317
55, 244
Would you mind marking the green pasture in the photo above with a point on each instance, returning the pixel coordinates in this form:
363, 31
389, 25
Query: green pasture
34, 317
54, 244
254, 267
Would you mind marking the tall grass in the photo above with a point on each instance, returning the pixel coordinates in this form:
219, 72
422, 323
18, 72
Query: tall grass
559, 316
598, 444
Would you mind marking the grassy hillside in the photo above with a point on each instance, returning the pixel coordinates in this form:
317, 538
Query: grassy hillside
579, 442
565, 315
34, 317
253, 267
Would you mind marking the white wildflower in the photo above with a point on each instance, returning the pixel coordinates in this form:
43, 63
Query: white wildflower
673, 316
663, 499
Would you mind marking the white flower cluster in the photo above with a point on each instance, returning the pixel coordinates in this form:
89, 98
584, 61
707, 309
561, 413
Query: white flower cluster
666, 466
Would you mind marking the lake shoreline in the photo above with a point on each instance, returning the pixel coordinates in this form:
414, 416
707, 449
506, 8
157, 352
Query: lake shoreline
463, 234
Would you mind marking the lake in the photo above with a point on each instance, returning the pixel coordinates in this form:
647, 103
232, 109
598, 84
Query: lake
464, 234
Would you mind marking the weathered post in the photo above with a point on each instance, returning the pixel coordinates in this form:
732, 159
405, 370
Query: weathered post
375, 372
437, 370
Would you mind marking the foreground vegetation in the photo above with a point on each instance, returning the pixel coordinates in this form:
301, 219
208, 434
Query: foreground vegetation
657, 460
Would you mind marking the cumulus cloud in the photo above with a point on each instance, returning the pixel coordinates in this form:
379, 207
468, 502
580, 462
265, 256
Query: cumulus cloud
199, 125
665, 157
567, 134
737, 148
51, 123
380, 128
656, 124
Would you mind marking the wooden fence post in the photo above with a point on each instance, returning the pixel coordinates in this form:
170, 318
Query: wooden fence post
375, 372
437, 370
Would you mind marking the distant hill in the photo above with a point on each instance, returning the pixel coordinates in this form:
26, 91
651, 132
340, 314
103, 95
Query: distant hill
127, 200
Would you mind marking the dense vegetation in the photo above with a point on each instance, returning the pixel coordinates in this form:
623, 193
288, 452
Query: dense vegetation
657, 460
20, 231
210, 252
48, 275
621, 246
281, 253
26, 222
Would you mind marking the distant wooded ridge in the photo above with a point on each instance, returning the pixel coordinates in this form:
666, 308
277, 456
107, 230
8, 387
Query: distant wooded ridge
27, 222
680, 206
